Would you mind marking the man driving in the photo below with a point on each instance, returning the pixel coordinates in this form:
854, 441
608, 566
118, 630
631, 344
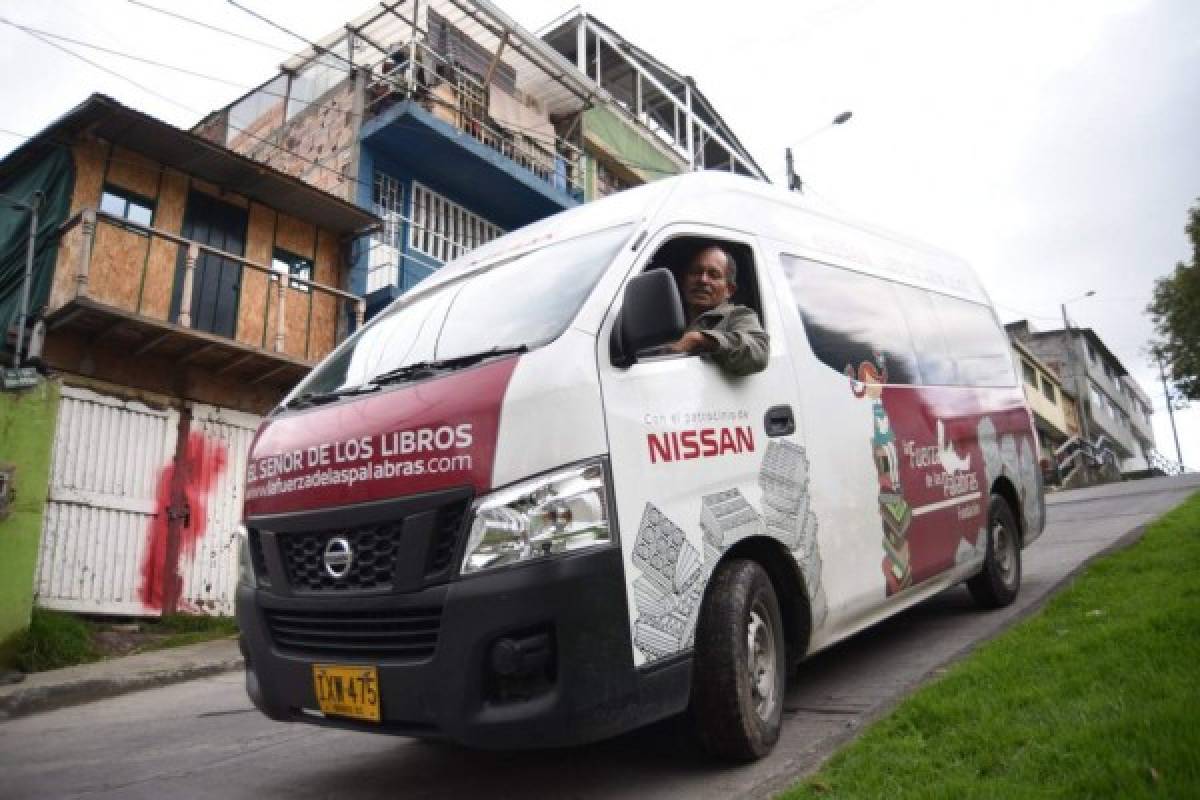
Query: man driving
730, 334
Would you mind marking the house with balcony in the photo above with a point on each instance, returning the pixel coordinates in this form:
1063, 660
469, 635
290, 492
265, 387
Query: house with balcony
178, 290
657, 122
455, 125
1055, 413
1114, 410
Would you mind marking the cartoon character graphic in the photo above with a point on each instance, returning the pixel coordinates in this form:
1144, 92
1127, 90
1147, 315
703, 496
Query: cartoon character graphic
868, 381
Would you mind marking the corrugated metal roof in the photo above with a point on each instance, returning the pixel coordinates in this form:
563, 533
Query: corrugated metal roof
105, 118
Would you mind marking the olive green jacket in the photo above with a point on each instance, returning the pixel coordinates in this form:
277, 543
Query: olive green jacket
742, 345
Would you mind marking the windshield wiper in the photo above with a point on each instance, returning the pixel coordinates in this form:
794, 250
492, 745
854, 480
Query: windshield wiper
408, 371
308, 399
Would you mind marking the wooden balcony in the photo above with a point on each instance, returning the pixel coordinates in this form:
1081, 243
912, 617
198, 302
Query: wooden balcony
134, 287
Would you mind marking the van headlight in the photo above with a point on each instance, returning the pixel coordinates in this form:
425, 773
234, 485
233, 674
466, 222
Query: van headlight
562, 512
245, 565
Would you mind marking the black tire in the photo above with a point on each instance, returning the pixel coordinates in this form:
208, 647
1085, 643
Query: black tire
998, 582
738, 715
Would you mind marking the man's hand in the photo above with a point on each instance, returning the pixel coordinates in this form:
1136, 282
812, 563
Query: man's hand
693, 342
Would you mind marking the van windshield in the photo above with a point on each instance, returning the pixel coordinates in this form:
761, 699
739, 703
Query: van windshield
515, 304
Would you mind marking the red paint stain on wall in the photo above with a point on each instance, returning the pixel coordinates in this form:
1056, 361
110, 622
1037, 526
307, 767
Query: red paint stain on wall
203, 462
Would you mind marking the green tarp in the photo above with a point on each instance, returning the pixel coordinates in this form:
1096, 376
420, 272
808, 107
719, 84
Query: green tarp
53, 175
627, 145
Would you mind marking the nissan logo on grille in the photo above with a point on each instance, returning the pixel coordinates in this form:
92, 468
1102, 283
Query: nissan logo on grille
338, 557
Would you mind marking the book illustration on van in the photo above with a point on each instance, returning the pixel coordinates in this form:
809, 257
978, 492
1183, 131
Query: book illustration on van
868, 381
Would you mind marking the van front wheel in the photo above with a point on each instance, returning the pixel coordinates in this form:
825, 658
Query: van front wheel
999, 581
738, 673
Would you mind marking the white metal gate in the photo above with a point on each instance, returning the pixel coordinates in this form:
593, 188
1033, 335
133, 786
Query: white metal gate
209, 563
108, 461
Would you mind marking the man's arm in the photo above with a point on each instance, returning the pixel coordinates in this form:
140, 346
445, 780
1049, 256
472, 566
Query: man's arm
741, 349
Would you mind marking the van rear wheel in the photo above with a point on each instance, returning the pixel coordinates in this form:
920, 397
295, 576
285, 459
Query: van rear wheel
738, 673
998, 582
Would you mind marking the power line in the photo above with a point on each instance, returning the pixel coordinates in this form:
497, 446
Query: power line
131, 57
44, 36
316, 47
214, 28
100, 67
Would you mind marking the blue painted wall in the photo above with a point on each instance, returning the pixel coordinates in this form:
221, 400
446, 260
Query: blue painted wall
410, 144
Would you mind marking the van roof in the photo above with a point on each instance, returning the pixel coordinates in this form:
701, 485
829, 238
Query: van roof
720, 199
802, 229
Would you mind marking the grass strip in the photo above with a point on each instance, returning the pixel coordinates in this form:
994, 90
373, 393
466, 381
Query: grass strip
57, 639
1098, 695
54, 639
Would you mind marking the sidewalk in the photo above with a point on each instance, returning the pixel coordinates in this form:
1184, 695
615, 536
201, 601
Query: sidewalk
56, 688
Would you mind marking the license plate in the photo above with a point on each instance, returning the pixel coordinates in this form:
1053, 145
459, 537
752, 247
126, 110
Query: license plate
347, 691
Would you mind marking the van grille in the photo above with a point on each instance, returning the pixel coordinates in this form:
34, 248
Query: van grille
408, 634
372, 567
445, 539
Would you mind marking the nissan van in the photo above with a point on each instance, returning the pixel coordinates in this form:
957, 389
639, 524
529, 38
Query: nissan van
502, 513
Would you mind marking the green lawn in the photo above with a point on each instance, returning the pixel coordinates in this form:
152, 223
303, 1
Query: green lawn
1098, 695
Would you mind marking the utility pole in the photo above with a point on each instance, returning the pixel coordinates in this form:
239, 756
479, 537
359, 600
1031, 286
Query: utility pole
1162, 373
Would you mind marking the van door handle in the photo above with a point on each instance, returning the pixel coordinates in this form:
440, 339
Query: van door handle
779, 421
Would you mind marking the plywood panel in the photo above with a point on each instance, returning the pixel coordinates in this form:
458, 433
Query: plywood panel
172, 199
118, 257
252, 307
160, 267
325, 306
90, 157
62, 290
261, 234
133, 171
295, 236
296, 321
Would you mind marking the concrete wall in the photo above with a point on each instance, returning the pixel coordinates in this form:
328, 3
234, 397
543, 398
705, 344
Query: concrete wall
27, 421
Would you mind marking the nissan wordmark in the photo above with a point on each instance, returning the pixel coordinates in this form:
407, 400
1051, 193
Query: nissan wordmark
506, 513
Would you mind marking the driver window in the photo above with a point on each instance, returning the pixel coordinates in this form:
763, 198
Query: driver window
678, 254
718, 287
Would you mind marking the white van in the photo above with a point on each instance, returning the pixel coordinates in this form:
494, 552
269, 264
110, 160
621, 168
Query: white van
500, 514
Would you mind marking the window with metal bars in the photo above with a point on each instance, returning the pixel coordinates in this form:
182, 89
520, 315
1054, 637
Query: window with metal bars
388, 199
444, 230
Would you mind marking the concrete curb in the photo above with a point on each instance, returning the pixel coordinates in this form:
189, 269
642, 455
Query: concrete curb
59, 688
817, 756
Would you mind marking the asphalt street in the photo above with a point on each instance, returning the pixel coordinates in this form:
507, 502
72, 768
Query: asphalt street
202, 739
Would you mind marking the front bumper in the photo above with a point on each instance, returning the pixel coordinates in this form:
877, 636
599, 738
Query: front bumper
588, 691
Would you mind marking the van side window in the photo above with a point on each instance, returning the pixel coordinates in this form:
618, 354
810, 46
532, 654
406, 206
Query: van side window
979, 348
935, 361
851, 318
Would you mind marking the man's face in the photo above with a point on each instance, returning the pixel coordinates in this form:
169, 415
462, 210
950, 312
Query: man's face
705, 285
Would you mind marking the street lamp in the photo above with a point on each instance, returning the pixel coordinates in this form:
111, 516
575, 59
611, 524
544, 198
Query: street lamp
1077, 375
794, 182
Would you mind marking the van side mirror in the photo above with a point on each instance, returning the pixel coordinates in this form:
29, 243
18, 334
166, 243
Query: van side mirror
651, 315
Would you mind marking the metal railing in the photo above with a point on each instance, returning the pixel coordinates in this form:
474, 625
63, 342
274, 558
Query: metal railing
1077, 454
1168, 466
424, 75
152, 305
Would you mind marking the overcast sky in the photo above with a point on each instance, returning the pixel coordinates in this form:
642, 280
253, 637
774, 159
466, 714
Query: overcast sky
1055, 145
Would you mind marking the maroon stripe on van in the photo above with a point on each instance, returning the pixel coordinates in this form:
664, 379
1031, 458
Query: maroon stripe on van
437, 434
